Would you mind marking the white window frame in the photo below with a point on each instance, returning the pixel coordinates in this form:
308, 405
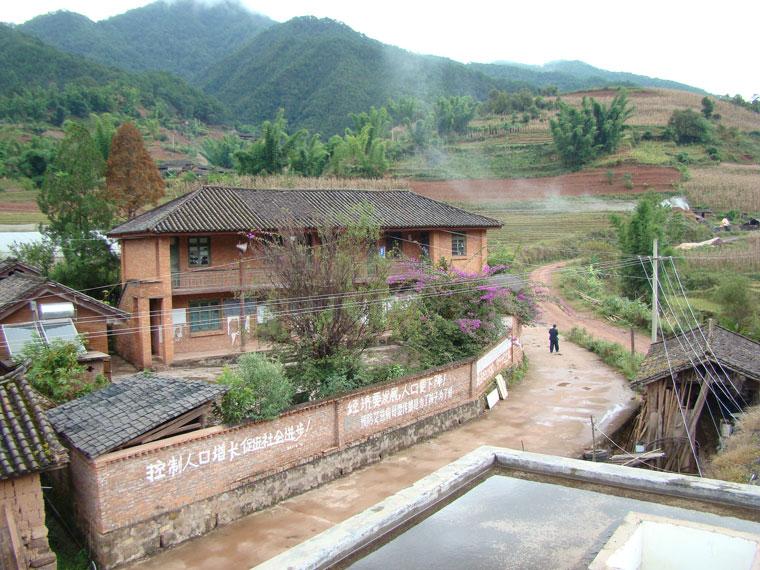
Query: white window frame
39, 329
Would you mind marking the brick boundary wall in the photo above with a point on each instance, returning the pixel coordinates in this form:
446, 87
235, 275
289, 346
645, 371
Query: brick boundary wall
134, 502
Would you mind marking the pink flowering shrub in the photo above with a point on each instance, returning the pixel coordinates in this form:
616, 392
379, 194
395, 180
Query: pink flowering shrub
454, 314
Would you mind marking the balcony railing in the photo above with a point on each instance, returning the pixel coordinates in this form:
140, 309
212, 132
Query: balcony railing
229, 278
222, 279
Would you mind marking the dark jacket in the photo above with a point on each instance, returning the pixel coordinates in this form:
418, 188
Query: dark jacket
553, 333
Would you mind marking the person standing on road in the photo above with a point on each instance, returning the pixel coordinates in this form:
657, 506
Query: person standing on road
553, 339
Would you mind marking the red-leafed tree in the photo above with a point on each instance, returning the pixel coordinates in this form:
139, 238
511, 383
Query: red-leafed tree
132, 179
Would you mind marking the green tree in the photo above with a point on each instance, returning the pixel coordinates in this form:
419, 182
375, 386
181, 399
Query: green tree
688, 126
453, 114
271, 153
329, 297
309, 157
359, 154
55, 371
103, 130
258, 389
132, 179
221, 152
580, 135
708, 107
72, 194
735, 298
610, 122
39, 254
73, 198
574, 134
636, 235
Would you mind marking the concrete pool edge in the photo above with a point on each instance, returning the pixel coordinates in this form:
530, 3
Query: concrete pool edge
348, 537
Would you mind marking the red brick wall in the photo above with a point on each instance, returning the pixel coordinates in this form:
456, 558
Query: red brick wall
125, 487
22, 513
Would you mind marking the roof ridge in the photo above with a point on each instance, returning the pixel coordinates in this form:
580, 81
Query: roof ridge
218, 187
181, 201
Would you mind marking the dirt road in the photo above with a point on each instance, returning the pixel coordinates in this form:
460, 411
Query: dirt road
547, 412
557, 310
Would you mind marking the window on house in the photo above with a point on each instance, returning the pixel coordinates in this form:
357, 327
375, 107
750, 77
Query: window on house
393, 244
18, 336
205, 316
424, 240
198, 251
459, 245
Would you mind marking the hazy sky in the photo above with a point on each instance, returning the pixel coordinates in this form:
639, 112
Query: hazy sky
712, 45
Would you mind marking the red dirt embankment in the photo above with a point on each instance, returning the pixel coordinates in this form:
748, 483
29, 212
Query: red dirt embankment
586, 183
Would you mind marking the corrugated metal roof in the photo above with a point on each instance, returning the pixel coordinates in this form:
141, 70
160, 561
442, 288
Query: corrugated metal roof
222, 209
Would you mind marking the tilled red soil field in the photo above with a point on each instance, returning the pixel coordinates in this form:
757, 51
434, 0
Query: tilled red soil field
587, 183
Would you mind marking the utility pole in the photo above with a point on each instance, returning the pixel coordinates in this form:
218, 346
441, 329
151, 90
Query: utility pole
655, 290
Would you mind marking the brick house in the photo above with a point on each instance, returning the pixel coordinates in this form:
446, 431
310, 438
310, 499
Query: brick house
34, 308
28, 447
185, 265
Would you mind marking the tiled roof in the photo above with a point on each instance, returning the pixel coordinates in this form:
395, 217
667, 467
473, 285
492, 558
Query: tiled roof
108, 418
20, 286
220, 209
712, 344
28, 443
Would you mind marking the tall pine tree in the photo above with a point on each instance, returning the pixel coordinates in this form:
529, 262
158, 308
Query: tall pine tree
132, 179
72, 198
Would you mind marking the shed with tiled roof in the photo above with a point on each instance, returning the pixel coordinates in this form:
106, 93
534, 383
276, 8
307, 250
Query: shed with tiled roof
138, 409
692, 381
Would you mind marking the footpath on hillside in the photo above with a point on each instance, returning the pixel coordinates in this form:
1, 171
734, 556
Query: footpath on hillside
548, 412
557, 310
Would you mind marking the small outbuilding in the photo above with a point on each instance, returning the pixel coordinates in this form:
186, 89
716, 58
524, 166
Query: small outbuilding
694, 383
34, 308
138, 409
28, 447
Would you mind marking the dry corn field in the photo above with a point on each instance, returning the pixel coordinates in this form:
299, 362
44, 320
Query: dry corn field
654, 107
725, 187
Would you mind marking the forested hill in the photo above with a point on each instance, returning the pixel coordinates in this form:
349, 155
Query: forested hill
41, 83
184, 37
574, 75
320, 70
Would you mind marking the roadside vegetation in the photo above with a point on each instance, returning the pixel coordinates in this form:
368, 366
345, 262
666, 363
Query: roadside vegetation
610, 352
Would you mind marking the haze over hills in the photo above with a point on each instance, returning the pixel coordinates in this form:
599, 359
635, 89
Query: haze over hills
185, 37
318, 70
576, 75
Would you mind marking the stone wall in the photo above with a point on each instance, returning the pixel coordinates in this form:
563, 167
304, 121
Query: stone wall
135, 501
23, 534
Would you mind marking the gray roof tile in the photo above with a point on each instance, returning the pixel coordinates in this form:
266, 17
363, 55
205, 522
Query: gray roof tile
715, 344
108, 418
221, 209
28, 443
